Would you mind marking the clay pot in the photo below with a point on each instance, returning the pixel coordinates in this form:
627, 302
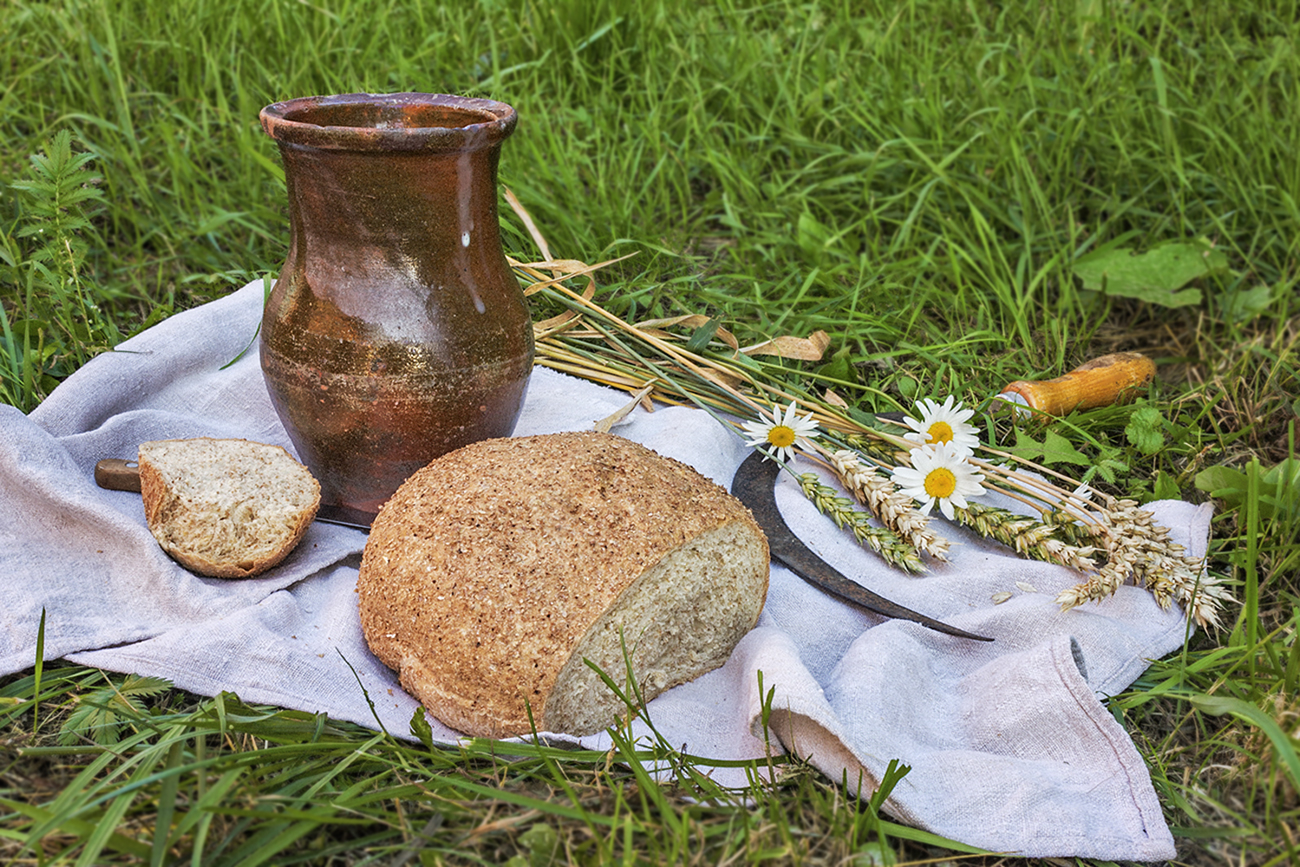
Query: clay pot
396, 331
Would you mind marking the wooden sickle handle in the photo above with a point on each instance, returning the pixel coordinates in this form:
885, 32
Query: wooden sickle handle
116, 474
1103, 381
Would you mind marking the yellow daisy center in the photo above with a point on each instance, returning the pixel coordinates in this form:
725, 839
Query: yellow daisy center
940, 482
781, 436
940, 432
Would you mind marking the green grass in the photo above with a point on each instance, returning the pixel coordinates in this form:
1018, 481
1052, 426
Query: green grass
915, 178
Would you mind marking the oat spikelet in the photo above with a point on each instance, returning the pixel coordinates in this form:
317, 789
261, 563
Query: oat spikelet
885, 542
893, 509
1028, 537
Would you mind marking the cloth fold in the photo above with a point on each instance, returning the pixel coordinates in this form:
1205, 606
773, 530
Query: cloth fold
1009, 744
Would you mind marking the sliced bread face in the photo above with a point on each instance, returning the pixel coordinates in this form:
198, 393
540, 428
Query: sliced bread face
497, 572
677, 620
227, 508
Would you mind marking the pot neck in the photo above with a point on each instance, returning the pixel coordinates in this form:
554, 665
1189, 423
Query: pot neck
417, 202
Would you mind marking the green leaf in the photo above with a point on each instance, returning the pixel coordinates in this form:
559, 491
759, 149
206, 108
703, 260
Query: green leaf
1107, 467
1279, 488
541, 841
863, 417
421, 729
101, 714
267, 285
136, 684
1166, 487
701, 336
1285, 473
839, 368
1157, 276
1144, 430
1026, 447
1058, 450
1244, 305
59, 181
1221, 482
812, 235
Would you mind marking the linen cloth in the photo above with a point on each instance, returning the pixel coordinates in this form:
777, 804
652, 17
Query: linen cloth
1009, 745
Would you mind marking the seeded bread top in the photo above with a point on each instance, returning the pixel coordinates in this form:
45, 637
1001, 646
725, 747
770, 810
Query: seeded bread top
490, 564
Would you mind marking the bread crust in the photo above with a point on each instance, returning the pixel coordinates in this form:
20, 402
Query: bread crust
488, 567
205, 528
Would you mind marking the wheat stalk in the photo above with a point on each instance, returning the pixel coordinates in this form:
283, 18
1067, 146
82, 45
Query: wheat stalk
1110, 542
1029, 538
882, 498
882, 540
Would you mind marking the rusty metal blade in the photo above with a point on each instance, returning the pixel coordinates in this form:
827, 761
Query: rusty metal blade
344, 517
754, 485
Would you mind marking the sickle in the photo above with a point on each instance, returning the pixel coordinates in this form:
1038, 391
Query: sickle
754, 485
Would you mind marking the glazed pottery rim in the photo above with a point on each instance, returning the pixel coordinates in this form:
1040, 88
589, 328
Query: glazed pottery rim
284, 122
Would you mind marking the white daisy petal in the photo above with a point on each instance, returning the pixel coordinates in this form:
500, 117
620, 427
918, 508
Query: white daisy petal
783, 433
906, 477
939, 474
946, 423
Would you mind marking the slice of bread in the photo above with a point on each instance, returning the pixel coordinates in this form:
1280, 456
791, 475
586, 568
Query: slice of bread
498, 571
228, 508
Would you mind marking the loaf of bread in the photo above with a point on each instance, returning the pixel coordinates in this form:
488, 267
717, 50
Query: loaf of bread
496, 573
228, 508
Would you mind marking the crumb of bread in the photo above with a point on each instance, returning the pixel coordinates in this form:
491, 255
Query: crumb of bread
227, 508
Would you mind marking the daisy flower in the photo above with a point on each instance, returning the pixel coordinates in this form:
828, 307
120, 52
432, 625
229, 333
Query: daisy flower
782, 433
943, 424
939, 474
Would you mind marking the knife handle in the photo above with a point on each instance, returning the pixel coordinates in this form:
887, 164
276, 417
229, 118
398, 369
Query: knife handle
116, 474
1103, 381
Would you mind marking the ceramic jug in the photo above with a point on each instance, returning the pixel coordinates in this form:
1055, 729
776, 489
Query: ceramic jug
396, 330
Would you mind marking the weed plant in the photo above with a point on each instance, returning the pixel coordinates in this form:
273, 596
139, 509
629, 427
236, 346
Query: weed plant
921, 180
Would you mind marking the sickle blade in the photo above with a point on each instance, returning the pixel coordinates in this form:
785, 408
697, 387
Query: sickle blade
754, 485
